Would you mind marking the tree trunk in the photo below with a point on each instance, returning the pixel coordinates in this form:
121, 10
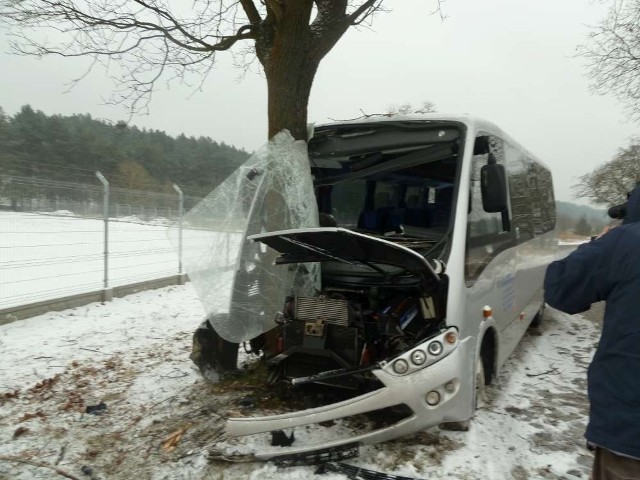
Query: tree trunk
290, 57
288, 97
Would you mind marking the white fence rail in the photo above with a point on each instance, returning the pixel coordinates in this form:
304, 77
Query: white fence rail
59, 239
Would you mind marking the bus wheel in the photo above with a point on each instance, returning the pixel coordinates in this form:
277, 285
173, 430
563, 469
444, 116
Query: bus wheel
479, 399
480, 392
213, 355
537, 320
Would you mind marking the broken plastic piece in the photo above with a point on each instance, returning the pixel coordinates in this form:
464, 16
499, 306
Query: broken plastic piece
98, 409
318, 457
358, 473
280, 439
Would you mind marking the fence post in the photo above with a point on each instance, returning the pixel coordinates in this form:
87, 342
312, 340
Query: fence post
107, 293
181, 274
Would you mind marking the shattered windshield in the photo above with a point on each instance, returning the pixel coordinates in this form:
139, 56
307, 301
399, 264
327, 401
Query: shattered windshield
236, 279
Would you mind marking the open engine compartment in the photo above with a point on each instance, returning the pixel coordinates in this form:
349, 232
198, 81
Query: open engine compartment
335, 337
378, 299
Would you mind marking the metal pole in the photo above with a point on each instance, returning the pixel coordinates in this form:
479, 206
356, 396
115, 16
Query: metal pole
105, 211
181, 275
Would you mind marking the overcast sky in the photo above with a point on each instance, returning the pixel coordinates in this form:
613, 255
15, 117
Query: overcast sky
511, 62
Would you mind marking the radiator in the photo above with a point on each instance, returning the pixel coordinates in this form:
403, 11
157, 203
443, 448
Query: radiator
329, 310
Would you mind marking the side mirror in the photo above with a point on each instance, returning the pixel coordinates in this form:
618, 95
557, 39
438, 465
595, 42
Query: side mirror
493, 186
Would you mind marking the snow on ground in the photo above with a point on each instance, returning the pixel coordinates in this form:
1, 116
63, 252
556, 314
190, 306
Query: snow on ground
132, 354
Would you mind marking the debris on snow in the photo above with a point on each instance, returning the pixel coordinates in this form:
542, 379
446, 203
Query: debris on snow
531, 427
281, 439
96, 409
169, 444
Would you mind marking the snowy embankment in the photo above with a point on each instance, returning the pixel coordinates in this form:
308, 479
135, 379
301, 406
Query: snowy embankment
162, 419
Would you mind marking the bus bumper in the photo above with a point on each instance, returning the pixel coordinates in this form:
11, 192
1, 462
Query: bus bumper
451, 377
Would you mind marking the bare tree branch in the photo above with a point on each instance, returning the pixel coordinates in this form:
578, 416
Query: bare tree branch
613, 55
404, 109
166, 15
365, 10
145, 39
609, 183
252, 12
439, 10
142, 42
407, 108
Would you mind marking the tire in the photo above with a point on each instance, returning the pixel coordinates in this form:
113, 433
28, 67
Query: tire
481, 382
479, 400
537, 320
213, 355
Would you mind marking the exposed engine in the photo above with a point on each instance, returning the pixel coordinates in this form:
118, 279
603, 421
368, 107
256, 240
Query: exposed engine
336, 337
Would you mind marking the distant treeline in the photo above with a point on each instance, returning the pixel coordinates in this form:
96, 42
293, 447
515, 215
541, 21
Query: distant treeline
580, 219
73, 148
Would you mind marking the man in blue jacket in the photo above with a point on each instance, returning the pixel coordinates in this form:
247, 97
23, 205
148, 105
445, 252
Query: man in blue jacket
608, 268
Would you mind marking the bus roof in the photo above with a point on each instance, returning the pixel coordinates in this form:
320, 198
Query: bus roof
473, 123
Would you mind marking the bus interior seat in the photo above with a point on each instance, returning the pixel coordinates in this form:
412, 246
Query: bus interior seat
369, 220
389, 217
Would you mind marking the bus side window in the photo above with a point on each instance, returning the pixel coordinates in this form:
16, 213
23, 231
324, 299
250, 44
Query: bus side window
521, 194
487, 233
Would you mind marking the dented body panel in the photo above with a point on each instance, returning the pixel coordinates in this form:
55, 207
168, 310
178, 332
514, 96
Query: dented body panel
410, 390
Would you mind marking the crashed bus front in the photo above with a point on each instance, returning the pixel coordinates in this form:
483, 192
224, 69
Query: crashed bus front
409, 311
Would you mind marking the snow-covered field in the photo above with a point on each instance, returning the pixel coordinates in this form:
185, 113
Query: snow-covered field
132, 354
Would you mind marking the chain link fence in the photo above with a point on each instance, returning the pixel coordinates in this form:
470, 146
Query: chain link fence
59, 239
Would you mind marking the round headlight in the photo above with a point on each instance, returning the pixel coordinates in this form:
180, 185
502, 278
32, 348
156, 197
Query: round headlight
400, 366
433, 398
418, 357
435, 348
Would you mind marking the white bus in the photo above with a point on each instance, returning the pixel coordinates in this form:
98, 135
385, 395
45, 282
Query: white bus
435, 233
